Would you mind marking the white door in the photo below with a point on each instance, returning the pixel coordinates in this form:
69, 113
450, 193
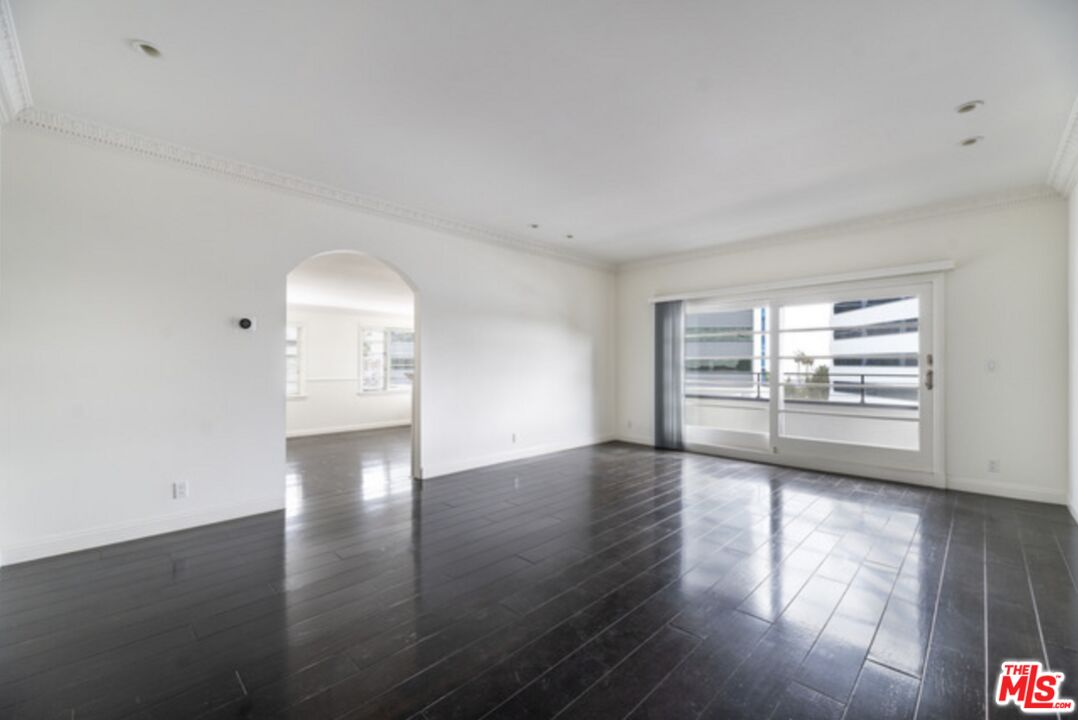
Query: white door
855, 376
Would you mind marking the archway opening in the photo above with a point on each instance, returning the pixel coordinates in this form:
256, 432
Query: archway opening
351, 357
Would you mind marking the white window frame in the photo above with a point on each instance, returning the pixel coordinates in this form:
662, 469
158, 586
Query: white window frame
774, 295
386, 388
301, 354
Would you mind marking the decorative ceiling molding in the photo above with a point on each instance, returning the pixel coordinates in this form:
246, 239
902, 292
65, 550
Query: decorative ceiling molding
14, 87
1064, 173
1020, 196
16, 103
164, 150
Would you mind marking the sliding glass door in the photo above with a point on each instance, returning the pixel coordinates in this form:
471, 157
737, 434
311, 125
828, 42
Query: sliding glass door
727, 384
839, 377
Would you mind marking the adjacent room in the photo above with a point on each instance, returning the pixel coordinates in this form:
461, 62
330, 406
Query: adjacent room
631, 360
350, 368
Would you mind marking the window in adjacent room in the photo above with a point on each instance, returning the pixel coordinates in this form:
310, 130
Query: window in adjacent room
401, 350
293, 359
387, 359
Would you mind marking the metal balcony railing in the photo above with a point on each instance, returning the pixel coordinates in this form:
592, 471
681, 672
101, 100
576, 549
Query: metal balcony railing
801, 387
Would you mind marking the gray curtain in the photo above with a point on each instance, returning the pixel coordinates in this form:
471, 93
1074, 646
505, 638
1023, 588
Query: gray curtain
669, 373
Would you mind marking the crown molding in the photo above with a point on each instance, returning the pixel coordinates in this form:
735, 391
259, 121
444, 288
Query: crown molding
1064, 173
16, 103
14, 87
163, 150
86, 130
1020, 196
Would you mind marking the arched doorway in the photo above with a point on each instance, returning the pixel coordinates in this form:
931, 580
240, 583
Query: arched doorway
352, 359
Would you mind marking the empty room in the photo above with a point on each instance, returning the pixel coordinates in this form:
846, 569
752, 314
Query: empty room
514, 359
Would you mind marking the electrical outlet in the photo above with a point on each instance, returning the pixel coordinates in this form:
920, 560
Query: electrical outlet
993, 466
179, 490
629, 424
514, 438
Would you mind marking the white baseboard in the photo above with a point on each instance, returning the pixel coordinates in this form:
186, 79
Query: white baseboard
825, 465
1006, 489
122, 532
433, 470
965, 484
636, 439
133, 530
348, 428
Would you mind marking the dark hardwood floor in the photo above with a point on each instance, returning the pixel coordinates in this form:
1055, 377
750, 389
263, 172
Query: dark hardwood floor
605, 582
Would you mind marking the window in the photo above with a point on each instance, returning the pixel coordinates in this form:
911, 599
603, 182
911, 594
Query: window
850, 371
293, 360
401, 349
823, 374
372, 362
852, 351
851, 305
726, 370
386, 359
725, 352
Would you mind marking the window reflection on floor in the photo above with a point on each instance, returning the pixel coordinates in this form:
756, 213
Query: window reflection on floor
293, 494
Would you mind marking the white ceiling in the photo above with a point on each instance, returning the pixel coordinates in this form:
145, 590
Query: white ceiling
638, 126
349, 281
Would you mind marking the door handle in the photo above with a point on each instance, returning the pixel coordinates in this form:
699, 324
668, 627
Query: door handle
929, 379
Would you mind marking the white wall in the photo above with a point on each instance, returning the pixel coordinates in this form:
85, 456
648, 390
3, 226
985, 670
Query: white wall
1072, 305
331, 401
121, 369
1006, 301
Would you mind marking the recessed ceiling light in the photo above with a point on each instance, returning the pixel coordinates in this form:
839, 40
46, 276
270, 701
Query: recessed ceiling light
534, 226
971, 141
568, 237
144, 48
968, 107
